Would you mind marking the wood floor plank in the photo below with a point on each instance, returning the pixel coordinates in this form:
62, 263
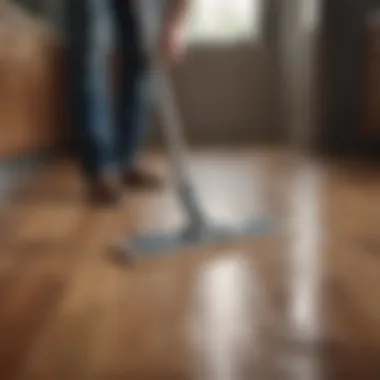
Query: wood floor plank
69, 311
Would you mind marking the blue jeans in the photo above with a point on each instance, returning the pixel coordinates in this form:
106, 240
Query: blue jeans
109, 128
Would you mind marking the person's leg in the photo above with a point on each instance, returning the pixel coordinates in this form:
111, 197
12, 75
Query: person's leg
135, 97
89, 45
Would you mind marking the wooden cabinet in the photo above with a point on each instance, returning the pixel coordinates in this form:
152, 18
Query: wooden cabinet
31, 84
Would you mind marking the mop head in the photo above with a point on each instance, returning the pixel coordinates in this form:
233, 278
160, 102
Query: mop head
149, 245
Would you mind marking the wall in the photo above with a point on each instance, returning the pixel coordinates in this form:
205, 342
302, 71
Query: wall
271, 89
344, 54
266, 91
224, 94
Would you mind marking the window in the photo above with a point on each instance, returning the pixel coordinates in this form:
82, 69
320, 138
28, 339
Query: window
224, 21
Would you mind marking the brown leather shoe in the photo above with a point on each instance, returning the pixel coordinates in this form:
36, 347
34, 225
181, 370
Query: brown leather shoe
105, 191
138, 178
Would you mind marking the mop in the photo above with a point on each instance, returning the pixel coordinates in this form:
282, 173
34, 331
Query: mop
199, 230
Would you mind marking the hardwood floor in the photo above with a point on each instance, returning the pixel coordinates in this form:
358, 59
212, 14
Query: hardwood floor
303, 304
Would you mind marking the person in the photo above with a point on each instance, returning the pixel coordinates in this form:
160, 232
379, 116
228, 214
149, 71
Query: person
110, 129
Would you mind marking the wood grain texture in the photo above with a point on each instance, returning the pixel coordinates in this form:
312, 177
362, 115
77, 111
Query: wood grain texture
68, 311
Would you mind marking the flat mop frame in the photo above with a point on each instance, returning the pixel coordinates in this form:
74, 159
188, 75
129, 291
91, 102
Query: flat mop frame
199, 229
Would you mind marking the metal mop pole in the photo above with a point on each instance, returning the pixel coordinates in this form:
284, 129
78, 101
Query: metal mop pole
172, 128
149, 12
197, 224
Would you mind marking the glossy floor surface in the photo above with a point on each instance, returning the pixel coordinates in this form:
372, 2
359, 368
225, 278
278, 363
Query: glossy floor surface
301, 304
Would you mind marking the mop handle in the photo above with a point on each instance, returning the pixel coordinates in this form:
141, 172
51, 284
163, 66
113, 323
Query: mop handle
171, 122
150, 17
168, 112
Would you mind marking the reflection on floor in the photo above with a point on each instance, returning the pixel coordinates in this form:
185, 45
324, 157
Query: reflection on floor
303, 304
